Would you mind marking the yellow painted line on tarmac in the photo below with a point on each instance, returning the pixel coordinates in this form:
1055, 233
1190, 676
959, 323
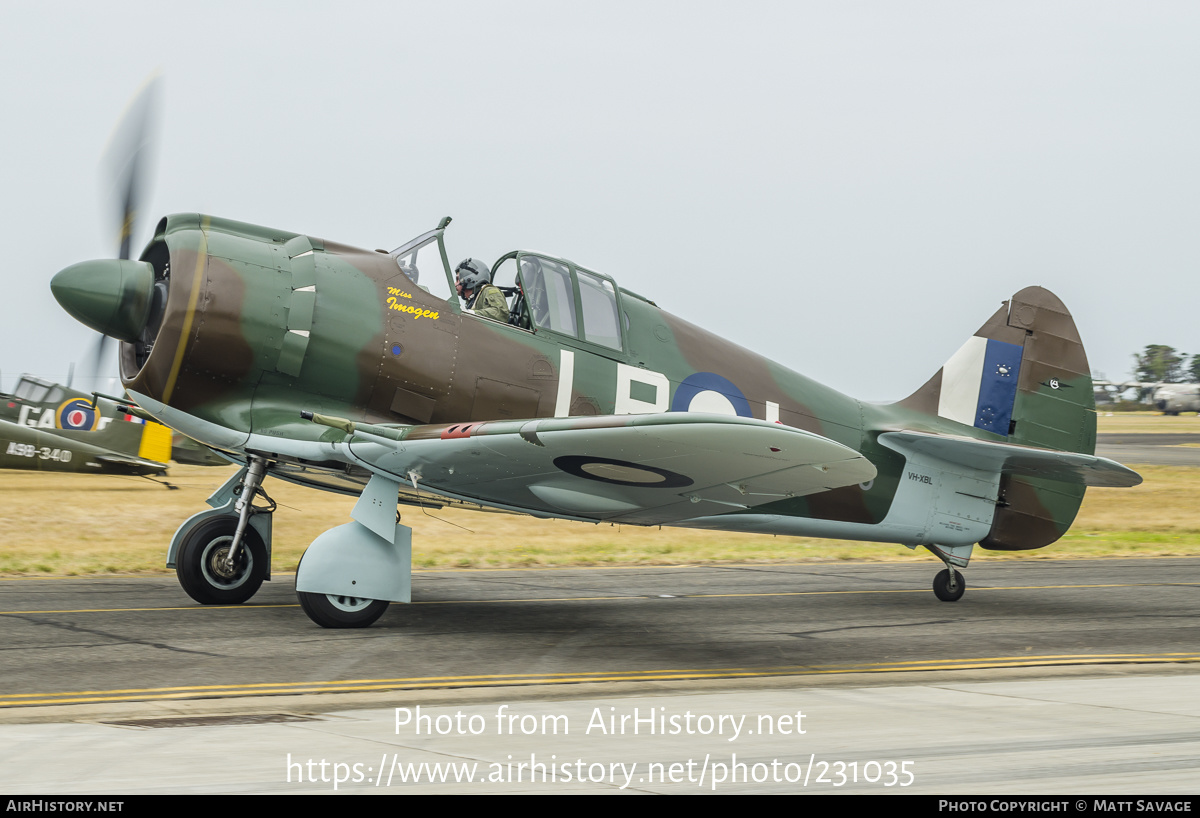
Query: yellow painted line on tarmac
136, 610
619, 598
500, 680
535, 569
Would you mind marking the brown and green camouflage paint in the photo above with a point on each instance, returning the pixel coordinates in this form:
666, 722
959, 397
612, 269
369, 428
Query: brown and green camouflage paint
261, 324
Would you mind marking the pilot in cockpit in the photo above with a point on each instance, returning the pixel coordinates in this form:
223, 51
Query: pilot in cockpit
474, 284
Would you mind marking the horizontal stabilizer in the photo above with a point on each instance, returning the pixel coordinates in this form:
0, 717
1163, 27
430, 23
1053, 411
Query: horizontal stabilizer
1064, 467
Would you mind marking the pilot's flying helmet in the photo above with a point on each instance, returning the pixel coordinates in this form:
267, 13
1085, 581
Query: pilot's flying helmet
473, 273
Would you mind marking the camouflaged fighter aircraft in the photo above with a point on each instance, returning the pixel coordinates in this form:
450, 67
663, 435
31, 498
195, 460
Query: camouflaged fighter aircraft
53, 408
46, 426
331, 366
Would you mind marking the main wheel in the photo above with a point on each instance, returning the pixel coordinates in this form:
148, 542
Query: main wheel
943, 589
200, 564
340, 611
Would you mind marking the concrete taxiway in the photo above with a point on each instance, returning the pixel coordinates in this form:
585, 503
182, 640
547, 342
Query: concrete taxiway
1127, 732
1159, 449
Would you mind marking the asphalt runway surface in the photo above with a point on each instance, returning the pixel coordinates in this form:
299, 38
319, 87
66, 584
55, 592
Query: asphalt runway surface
1168, 449
141, 638
1047, 677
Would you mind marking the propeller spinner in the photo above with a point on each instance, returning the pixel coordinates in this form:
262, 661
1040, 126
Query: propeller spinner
112, 296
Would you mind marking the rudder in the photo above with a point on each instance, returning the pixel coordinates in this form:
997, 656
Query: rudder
1023, 377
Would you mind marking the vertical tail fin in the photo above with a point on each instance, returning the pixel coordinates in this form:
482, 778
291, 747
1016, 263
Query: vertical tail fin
1023, 376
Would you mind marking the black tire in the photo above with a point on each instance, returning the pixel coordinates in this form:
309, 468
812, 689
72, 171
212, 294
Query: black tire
340, 611
941, 586
198, 563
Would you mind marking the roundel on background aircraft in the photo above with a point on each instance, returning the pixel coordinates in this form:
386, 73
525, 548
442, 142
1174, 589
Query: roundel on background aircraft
77, 414
709, 392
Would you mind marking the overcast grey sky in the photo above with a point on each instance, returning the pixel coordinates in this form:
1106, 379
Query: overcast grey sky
848, 188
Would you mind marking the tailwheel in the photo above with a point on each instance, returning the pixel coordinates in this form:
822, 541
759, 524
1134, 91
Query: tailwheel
341, 611
202, 565
949, 587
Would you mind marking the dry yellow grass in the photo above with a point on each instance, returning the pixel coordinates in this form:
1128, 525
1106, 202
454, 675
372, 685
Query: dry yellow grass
88, 524
1147, 423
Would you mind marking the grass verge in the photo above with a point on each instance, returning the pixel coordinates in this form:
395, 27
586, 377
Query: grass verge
67, 524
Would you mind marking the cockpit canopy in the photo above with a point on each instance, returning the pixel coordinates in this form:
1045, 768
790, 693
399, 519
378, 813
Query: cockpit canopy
544, 294
36, 390
558, 296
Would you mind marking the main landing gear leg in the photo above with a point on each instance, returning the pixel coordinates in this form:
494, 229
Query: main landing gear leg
256, 469
949, 585
221, 556
350, 573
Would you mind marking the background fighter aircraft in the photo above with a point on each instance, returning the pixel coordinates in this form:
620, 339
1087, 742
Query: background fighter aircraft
332, 366
49, 427
45, 405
